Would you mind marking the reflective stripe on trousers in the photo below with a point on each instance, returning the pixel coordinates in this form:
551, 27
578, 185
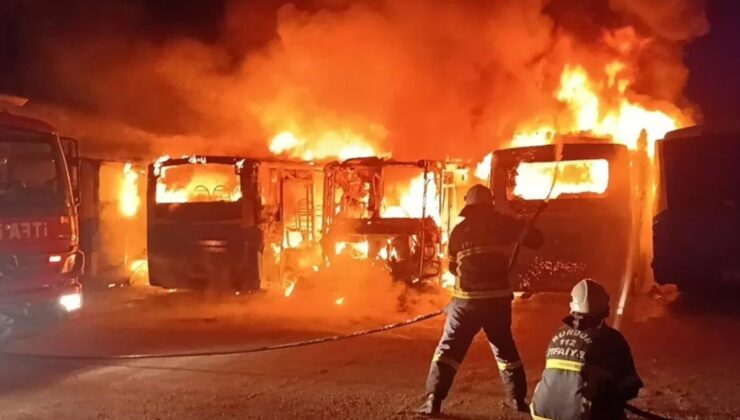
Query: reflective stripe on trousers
465, 319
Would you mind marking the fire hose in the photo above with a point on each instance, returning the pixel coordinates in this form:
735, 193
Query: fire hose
644, 414
284, 346
272, 347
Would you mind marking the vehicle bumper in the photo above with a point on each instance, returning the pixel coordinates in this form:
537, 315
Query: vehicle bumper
63, 299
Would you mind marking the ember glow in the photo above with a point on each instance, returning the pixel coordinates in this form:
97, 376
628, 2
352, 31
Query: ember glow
534, 180
447, 280
293, 239
129, 200
483, 169
288, 287
357, 250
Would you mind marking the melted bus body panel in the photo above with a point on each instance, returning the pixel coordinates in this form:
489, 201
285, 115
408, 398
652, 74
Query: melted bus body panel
587, 220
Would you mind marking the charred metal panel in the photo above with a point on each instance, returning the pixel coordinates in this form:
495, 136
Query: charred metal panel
585, 234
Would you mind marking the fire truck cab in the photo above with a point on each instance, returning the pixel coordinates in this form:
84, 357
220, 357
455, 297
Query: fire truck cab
40, 260
587, 220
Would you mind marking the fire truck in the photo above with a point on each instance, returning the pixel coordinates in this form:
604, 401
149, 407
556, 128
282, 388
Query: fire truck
40, 260
696, 227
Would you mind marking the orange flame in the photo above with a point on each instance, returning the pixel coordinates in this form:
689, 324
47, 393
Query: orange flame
328, 144
197, 183
356, 250
448, 280
288, 287
411, 202
129, 200
623, 122
534, 180
483, 169
603, 109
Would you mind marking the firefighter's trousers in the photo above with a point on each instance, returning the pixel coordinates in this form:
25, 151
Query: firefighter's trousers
465, 318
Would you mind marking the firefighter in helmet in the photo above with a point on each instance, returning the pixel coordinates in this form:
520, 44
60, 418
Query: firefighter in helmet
479, 251
589, 371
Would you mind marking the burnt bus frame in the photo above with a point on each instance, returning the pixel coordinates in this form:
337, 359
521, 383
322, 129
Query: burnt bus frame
589, 232
236, 245
425, 228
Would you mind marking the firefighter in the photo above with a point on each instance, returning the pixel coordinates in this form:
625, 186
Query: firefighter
589, 372
479, 251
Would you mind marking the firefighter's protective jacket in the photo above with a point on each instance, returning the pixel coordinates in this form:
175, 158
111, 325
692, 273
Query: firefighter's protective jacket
589, 374
479, 250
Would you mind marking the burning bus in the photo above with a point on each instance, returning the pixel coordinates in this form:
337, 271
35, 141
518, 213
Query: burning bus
588, 216
696, 228
211, 218
385, 211
40, 260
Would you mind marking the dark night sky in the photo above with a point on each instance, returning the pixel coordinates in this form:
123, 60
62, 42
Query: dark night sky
713, 60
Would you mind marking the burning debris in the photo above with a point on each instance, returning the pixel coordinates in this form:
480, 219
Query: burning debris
385, 210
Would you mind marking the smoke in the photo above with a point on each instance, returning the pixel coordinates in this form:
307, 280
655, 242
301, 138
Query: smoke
418, 78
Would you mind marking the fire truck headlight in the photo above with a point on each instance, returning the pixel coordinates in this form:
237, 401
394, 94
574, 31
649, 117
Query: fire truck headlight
71, 302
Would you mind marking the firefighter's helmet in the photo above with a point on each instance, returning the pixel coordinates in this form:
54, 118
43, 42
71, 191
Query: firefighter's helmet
478, 194
589, 297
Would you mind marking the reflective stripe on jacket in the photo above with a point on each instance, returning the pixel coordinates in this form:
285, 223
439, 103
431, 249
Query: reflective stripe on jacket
589, 374
479, 251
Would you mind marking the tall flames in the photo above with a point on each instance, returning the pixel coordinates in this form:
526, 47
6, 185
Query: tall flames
328, 144
623, 119
129, 201
602, 108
